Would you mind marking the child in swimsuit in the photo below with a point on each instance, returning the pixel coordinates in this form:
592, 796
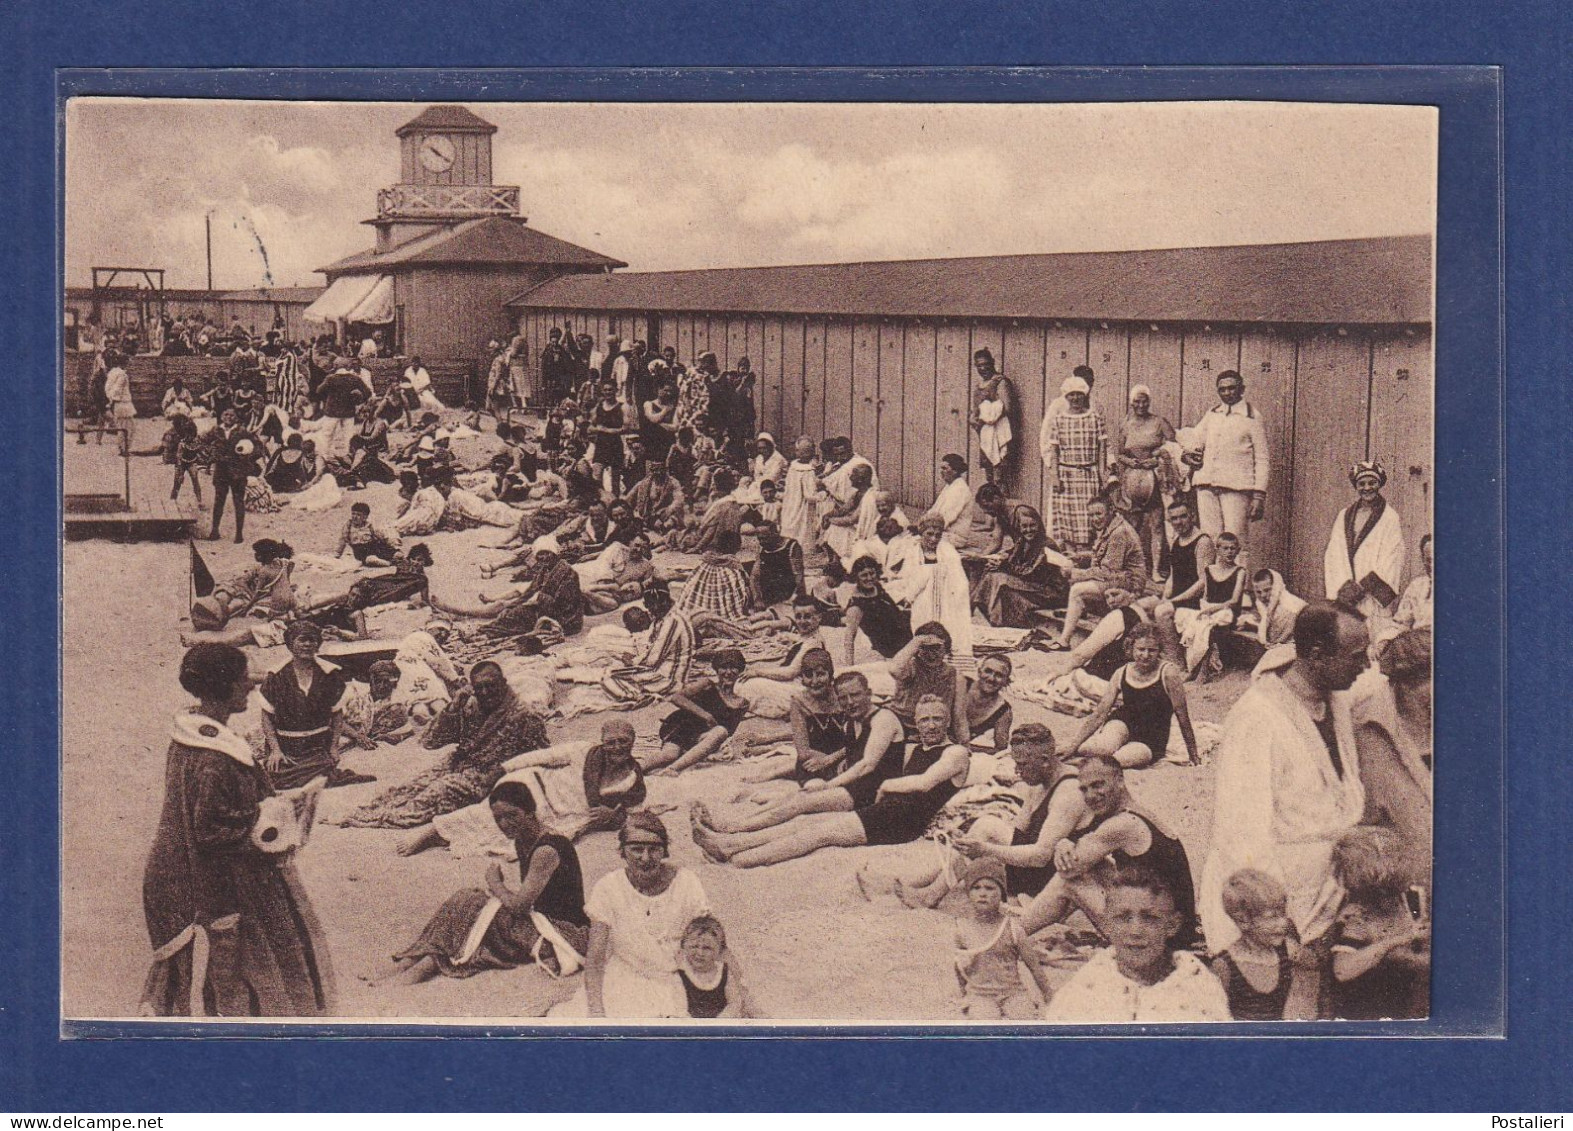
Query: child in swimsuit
991, 949
707, 974
1255, 969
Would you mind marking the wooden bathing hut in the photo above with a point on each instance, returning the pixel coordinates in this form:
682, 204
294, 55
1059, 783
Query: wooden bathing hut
1333, 338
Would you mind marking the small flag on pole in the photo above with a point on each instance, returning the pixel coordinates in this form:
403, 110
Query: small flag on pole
201, 577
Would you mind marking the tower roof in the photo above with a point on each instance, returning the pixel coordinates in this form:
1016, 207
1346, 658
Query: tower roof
449, 119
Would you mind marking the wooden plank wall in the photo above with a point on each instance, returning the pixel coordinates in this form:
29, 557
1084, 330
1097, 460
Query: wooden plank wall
902, 388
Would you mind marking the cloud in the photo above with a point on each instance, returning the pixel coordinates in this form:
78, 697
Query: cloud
675, 186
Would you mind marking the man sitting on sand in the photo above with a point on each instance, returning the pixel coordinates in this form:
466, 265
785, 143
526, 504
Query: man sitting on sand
1116, 835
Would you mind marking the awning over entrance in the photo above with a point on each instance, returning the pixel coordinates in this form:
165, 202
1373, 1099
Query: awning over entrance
339, 301
376, 307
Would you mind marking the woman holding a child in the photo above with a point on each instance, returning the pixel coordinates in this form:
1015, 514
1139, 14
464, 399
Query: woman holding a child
637, 919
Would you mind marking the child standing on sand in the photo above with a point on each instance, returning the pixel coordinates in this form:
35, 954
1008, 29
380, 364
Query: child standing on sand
991, 949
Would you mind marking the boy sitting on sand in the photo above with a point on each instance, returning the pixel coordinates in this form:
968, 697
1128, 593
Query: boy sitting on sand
1139, 978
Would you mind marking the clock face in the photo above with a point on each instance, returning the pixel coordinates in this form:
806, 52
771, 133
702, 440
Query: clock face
437, 154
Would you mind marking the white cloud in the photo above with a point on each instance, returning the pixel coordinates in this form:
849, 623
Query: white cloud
666, 186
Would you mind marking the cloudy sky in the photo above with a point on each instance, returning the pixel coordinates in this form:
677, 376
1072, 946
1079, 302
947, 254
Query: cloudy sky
674, 186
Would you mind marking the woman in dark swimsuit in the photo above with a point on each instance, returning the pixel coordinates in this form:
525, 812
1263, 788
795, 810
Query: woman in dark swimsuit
291, 468
816, 728
778, 574
886, 625
1132, 721
708, 712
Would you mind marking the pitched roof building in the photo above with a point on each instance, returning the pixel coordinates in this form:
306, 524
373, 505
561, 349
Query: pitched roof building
450, 247
1385, 280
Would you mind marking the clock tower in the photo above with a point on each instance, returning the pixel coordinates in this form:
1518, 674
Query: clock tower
445, 178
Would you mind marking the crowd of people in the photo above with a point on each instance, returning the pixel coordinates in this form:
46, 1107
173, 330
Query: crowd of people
658, 548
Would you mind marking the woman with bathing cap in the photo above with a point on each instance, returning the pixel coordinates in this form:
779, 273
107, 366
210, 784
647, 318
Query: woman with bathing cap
1364, 562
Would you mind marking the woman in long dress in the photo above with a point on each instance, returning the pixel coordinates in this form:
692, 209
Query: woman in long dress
930, 579
637, 919
233, 934
490, 725
499, 927
1076, 467
1364, 563
117, 392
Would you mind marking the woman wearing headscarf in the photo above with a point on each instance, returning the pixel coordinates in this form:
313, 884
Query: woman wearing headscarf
1076, 459
637, 918
233, 934
1026, 578
1364, 563
993, 409
1145, 473
928, 577
767, 462
488, 725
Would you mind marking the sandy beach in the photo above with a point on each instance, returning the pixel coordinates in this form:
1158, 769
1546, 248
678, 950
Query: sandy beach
811, 946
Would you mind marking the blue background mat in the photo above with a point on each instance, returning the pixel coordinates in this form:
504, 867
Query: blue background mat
1526, 1072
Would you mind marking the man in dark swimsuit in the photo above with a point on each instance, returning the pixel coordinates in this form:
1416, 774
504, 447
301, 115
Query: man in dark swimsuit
1116, 836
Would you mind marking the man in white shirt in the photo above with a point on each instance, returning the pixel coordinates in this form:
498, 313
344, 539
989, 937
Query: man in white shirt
416, 387
1232, 466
